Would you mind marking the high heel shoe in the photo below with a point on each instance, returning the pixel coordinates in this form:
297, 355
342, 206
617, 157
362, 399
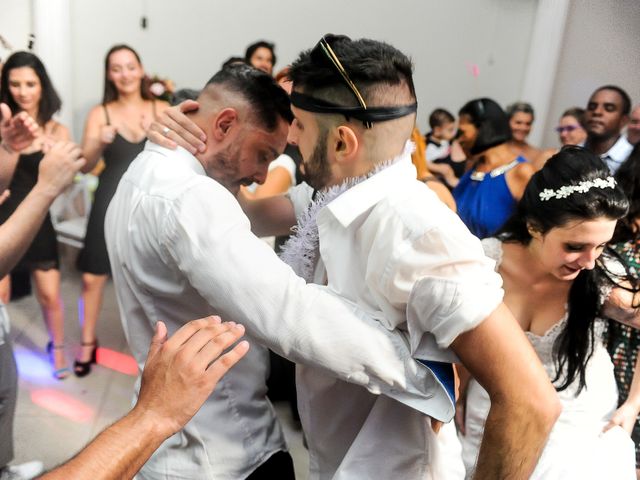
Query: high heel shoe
82, 369
58, 373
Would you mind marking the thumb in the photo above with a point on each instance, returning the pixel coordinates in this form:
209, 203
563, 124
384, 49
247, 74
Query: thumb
609, 426
5, 112
189, 106
158, 339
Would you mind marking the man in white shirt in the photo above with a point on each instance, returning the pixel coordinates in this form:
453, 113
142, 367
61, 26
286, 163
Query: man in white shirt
180, 247
387, 244
606, 115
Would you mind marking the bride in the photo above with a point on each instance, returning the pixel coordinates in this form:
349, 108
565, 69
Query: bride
556, 286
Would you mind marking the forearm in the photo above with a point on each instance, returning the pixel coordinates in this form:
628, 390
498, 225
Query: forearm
268, 216
8, 162
92, 152
512, 443
633, 399
17, 233
117, 453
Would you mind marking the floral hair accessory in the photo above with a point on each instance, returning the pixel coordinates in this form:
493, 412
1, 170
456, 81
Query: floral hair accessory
582, 187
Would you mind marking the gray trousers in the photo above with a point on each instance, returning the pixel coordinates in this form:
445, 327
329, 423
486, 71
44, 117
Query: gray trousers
8, 393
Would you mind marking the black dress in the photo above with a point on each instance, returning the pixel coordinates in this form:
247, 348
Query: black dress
93, 258
42, 254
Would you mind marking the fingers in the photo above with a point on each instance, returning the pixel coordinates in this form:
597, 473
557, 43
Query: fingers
218, 343
186, 331
211, 336
159, 337
609, 426
219, 367
5, 112
181, 130
188, 106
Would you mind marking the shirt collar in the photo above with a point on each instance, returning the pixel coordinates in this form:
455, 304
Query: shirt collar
179, 154
348, 206
620, 150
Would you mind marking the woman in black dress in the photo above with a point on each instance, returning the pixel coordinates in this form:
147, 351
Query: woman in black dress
115, 131
25, 86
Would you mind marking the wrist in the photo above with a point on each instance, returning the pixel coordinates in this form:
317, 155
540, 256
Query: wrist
45, 190
157, 429
7, 148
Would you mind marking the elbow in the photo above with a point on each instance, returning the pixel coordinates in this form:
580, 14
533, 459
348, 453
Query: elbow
544, 410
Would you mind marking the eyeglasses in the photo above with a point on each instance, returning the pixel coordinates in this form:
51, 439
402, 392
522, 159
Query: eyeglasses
567, 128
325, 47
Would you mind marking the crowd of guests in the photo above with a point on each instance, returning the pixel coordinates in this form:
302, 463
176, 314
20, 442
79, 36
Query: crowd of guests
561, 226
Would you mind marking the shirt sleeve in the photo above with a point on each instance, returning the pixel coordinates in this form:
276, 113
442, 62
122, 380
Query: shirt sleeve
437, 270
209, 239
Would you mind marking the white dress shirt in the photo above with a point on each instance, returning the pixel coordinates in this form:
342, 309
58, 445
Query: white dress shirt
181, 248
617, 154
389, 245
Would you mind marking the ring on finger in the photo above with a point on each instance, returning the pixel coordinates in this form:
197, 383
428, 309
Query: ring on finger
165, 131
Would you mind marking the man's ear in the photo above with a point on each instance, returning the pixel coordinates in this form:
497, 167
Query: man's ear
224, 122
345, 144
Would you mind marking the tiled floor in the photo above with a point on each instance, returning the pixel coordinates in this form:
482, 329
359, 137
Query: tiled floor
55, 419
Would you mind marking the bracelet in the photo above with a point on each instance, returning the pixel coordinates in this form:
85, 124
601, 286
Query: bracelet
7, 148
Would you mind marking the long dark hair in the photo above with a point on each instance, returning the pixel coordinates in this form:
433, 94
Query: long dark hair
569, 167
50, 102
110, 91
491, 122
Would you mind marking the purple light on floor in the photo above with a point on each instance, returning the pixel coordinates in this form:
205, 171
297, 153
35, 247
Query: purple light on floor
63, 405
33, 366
81, 311
118, 361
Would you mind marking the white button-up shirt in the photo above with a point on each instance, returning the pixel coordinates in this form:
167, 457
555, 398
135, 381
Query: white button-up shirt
393, 248
181, 248
617, 154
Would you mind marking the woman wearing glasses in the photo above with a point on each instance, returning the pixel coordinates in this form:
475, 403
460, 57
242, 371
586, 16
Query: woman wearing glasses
570, 131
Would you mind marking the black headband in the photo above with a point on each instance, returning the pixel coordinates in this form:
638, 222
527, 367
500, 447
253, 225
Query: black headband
367, 115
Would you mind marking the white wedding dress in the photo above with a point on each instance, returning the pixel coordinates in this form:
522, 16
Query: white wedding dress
577, 448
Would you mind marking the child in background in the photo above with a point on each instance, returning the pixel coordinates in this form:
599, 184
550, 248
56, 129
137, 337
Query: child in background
439, 161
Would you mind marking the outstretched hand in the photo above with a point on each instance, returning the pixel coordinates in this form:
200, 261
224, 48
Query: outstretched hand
172, 128
16, 131
181, 372
59, 166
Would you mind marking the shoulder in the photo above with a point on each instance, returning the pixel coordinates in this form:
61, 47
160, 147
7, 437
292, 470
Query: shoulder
96, 115
57, 130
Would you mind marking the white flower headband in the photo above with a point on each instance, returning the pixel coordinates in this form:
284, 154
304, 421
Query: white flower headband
582, 187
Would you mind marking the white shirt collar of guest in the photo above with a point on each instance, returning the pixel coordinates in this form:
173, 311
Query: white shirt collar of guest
617, 154
182, 155
355, 201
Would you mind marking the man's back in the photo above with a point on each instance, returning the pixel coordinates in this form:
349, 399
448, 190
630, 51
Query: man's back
236, 429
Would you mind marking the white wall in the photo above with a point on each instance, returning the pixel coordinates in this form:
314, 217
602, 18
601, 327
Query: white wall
15, 24
601, 46
188, 41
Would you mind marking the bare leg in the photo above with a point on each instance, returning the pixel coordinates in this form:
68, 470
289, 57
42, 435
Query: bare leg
92, 292
5, 289
47, 283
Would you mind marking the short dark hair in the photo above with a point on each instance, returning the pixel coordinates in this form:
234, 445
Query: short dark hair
368, 63
267, 99
628, 177
626, 100
572, 165
233, 61
439, 117
577, 113
251, 49
50, 102
523, 107
110, 93
490, 120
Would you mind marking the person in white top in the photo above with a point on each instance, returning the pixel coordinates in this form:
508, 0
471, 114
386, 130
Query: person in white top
606, 116
180, 247
382, 240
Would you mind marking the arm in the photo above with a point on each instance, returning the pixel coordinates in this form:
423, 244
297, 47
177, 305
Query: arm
518, 177
498, 355
97, 135
622, 306
179, 375
56, 172
17, 132
278, 181
245, 281
268, 216
627, 414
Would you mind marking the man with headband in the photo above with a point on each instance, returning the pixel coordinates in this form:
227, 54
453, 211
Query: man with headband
366, 235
